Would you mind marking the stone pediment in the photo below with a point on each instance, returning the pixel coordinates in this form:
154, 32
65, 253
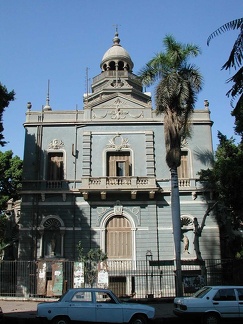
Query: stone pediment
120, 107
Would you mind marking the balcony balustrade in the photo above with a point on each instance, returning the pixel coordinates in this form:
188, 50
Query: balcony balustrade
105, 184
118, 183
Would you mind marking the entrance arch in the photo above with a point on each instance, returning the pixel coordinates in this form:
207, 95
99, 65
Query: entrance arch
118, 236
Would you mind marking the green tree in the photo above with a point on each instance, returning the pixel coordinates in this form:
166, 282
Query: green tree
91, 261
225, 179
178, 84
10, 177
3, 243
234, 61
5, 98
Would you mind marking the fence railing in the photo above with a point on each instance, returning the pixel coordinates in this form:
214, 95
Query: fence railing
140, 279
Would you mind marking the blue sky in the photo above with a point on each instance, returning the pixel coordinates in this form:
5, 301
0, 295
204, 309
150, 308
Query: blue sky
58, 40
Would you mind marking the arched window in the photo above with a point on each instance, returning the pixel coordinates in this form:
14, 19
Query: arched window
118, 242
112, 66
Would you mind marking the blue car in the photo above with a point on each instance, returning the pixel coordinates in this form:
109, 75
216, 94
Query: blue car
93, 305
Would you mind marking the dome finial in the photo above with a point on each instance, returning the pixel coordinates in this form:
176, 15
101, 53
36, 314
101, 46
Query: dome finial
116, 39
47, 106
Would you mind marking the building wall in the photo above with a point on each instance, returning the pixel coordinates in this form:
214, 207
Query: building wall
78, 207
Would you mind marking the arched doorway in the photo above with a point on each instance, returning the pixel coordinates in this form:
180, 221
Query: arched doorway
118, 238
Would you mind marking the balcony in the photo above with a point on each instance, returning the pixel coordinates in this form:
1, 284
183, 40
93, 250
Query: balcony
103, 185
124, 184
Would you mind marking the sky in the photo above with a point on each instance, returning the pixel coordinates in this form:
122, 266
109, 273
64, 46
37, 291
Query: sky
64, 41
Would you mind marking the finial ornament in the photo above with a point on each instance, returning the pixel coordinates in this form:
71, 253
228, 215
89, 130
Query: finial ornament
47, 106
116, 27
206, 104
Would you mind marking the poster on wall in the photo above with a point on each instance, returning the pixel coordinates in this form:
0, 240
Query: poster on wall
78, 275
103, 277
193, 283
41, 278
57, 279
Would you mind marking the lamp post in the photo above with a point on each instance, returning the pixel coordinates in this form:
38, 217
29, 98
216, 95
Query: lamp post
149, 257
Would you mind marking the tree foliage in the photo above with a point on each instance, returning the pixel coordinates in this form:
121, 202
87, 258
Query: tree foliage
5, 98
91, 261
178, 84
234, 61
225, 179
10, 177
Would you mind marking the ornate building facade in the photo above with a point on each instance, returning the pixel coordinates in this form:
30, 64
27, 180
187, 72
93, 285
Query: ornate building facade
99, 176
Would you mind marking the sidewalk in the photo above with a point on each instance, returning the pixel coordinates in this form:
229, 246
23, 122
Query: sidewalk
19, 311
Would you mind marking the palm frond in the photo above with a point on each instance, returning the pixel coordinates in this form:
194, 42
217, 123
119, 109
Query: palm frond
237, 88
234, 24
147, 75
237, 112
236, 54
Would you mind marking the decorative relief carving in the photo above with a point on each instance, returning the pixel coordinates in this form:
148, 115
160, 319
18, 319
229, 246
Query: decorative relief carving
118, 112
118, 143
56, 144
117, 84
120, 210
186, 222
141, 115
101, 210
136, 213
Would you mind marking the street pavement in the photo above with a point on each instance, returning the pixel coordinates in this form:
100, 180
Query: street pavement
24, 311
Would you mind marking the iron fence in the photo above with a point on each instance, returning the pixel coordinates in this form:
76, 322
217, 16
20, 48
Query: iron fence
140, 279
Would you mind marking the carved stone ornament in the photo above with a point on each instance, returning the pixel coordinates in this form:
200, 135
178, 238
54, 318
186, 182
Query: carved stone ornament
118, 210
118, 143
186, 222
56, 144
118, 112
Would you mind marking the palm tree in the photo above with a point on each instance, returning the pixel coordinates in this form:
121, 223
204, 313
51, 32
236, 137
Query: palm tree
176, 90
235, 60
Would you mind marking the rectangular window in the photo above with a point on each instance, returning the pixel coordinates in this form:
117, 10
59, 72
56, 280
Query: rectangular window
55, 166
183, 168
118, 164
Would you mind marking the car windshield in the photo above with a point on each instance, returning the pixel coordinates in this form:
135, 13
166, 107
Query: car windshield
60, 299
201, 292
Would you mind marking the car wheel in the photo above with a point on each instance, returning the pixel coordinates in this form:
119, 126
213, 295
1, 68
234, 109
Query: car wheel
138, 319
61, 320
211, 318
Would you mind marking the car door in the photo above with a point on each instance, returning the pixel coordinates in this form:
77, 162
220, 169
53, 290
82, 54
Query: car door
240, 298
107, 309
82, 307
225, 303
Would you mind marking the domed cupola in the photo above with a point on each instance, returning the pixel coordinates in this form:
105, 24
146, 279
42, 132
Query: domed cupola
116, 58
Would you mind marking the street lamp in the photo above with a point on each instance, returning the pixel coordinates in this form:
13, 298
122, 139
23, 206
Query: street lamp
149, 292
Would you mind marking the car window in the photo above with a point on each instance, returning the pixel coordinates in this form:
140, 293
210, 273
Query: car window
82, 296
240, 293
225, 294
104, 298
201, 292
